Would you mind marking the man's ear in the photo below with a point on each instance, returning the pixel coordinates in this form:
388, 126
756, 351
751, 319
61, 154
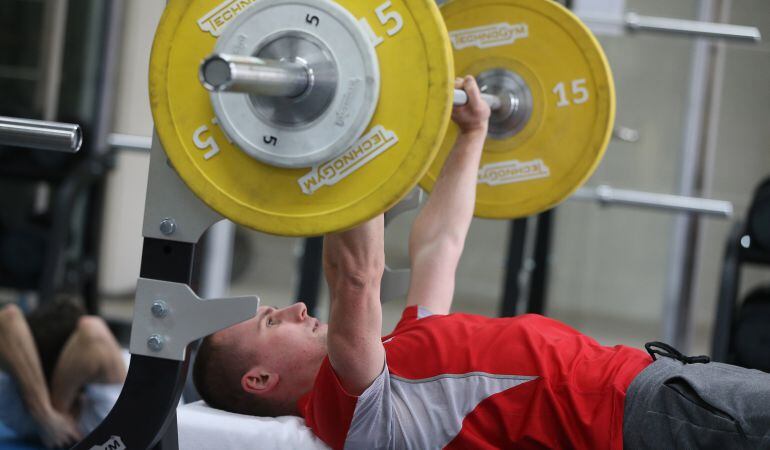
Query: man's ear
259, 381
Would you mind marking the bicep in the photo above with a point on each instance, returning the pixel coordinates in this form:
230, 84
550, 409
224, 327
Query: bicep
432, 283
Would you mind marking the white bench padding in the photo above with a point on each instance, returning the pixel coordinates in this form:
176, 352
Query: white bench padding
205, 428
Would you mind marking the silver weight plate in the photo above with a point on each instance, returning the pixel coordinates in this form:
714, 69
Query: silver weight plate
343, 68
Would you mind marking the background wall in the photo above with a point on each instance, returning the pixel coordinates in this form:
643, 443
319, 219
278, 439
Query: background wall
609, 266
122, 242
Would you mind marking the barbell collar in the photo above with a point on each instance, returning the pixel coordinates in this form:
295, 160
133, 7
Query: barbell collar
232, 73
40, 135
256, 76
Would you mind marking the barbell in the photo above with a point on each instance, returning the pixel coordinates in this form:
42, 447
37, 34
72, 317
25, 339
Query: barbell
275, 78
302, 117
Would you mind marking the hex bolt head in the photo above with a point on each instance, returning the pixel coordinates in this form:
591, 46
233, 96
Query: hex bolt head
159, 309
167, 226
155, 343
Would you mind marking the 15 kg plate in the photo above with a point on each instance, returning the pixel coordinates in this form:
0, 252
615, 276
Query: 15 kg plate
412, 114
557, 68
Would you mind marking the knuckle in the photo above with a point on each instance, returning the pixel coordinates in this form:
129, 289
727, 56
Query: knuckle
11, 310
92, 325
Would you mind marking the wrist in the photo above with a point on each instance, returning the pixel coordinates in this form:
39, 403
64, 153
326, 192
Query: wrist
40, 413
479, 132
473, 139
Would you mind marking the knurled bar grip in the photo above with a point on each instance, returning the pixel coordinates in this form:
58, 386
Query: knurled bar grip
494, 102
251, 75
40, 135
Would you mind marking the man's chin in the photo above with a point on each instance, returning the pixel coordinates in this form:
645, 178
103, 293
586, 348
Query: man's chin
320, 334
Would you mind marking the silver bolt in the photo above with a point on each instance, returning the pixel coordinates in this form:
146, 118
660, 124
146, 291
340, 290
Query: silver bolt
155, 343
167, 226
159, 309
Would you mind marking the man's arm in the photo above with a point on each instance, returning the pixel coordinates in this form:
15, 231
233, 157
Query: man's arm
18, 355
353, 263
438, 234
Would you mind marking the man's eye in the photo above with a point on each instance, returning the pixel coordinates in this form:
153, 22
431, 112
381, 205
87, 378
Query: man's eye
270, 322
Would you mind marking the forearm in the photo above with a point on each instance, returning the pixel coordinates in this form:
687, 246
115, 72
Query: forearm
355, 254
449, 210
438, 234
18, 354
354, 261
353, 266
355, 313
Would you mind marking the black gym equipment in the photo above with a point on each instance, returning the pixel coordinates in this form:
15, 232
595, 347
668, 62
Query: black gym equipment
741, 334
750, 340
535, 267
151, 381
310, 270
759, 218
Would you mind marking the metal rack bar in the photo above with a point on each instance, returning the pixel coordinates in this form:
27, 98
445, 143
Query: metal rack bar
40, 135
52, 56
607, 195
695, 28
635, 22
517, 231
130, 142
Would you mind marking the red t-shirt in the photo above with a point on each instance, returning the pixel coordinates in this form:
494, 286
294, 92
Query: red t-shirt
466, 381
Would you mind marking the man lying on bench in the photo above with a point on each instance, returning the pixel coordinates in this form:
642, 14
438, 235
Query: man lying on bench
445, 380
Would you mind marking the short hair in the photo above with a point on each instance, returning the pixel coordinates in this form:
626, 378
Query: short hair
51, 325
217, 374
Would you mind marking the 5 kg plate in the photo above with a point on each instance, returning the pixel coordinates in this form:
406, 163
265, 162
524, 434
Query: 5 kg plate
381, 167
343, 76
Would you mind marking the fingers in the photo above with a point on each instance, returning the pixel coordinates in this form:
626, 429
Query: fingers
472, 89
474, 115
60, 431
71, 437
76, 435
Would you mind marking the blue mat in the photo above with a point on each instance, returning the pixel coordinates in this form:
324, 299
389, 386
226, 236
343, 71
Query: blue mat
12, 445
8, 441
5, 433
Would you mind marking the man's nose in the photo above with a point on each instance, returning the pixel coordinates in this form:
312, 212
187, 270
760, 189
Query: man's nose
297, 311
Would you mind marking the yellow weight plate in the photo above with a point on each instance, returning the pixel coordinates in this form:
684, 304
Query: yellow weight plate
572, 99
402, 140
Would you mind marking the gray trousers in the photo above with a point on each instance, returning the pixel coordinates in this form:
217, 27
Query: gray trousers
671, 405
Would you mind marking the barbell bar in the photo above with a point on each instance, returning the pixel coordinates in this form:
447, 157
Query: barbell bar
273, 78
250, 75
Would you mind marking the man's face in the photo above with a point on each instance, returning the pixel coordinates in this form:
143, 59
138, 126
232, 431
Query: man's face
283, 340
